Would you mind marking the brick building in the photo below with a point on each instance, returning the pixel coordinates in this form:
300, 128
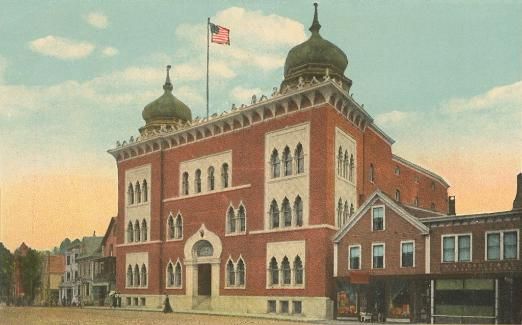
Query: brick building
398, 262
236, 212
53, 267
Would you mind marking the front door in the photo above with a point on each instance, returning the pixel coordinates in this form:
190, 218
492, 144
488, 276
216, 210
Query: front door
204, 280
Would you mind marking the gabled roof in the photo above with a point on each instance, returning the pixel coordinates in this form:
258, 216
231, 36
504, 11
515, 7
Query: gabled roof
91, 246
390, 204
112, 224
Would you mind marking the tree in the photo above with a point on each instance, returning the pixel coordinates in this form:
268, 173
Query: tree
6, 272
31, 269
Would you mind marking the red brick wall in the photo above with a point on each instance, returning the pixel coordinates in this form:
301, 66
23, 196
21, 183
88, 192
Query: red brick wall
396, 230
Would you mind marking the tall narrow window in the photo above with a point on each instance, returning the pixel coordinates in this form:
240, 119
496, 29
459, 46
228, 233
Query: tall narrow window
351, 209
137, 192
145, 191
298, 209
407, 251
275, 164
240, 272
464, 250
371, 174
493, 246
354, 258
346, 164
170, 275
274, 214
130, 282
398, 195
224, 175
285, 269
242, 218
137, 231
378, 256
273, 270
287, 212
211, 179
231, 274
448, 249
298, 270
178, 228
130, 194
144, 230
346, 212
130, 233
143, 275
340, 161
137, 279
378, 218
340, 212
177, 275
171, 227
185, 184
197, 181
231, 218
510, 245
287, 160
299, 158
352, 167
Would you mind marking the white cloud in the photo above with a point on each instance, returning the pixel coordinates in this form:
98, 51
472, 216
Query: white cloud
97, 20
61, 48
110, 51
393, 118
244, 95
506, 97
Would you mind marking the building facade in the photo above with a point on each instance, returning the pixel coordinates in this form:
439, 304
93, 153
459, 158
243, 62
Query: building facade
70, 285
90, 251
236, 212
53, 268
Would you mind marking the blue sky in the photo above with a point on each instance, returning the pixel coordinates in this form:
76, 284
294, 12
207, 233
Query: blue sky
443, 78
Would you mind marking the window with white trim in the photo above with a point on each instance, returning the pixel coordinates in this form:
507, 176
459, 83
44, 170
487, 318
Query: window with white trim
354, 257
456, 248
378, 218
378, 256
502, 245
408, 253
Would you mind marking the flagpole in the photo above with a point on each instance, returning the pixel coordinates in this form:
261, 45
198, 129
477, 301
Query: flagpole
208, 47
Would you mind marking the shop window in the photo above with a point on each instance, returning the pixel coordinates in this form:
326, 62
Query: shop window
378, 218
354, 258
407, 254
297, 307
271, 306
377, 256
399, 303
283, 306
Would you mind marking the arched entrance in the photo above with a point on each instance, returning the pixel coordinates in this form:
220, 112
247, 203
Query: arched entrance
202, 260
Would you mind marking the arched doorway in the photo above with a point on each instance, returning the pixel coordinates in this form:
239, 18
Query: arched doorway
203, 249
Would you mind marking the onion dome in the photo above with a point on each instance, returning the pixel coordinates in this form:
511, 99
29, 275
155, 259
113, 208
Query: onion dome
166, 110
316, 57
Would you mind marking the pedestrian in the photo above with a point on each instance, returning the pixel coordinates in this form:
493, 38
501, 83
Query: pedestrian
167, 308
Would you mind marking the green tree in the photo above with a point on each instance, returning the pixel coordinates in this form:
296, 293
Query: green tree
31, 270
6, 272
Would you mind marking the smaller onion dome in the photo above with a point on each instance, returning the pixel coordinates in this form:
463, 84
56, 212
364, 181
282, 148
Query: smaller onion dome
166, 110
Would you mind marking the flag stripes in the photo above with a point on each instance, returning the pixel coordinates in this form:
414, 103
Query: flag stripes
220, 35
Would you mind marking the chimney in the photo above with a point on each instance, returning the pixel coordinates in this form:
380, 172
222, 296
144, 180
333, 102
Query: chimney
517, 202
451, 205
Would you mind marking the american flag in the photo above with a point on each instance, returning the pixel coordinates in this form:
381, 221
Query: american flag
220, 35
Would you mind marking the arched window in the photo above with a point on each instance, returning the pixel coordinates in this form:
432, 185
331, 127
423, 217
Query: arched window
299, 158
143, 275
240, 272
137, 231
298, 270
130, 194
171, 227
170, 275
224, 175
273, 270
351, 209
177, 275
137, 192
287, 212
287, 160
352, 167
231, 220
197, 181
129, 277
287, 273
371, 174
275, 164
274, 215
340, 161
340, 212
242, 218
346, 211
346, 164
397, 195
136, 276
185, 184
178, 227
298, 209
130, 232
145, 191
231, 274
211, 179
144, 230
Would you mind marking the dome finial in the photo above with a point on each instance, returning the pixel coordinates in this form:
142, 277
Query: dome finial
168, 85
315, 24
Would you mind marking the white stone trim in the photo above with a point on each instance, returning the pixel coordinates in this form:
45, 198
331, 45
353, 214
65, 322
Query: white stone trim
319, 226
228, 189
174, 269
171, 215
427, 254
139, 243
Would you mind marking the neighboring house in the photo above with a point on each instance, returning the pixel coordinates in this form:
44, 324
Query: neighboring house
53, 268
70, 286
18, 288
90, 250
104, 280
403, 263
235, 213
